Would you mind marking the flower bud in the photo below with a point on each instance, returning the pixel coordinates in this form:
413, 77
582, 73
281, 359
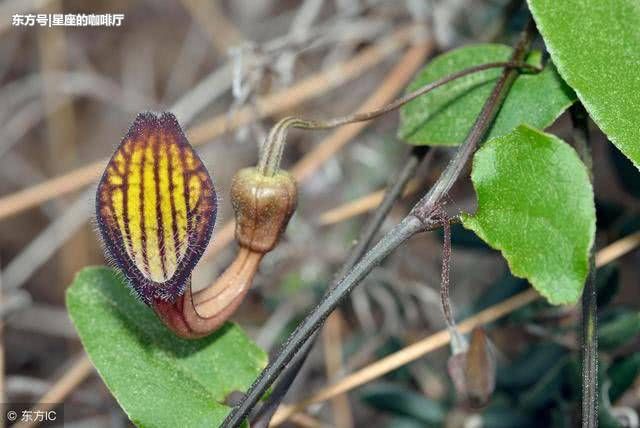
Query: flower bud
480, 369
473, 371
263, 206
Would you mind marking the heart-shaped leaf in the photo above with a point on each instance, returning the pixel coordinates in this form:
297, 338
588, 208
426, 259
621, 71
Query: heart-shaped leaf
535, 204
594, 44
158, 379
445, 115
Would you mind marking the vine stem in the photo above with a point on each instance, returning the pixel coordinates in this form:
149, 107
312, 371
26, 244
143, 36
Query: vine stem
269, 164
590, 350
392, 194
458, 342
276, 140
589, 319
436, 340
425, 208
419, 219
408, 227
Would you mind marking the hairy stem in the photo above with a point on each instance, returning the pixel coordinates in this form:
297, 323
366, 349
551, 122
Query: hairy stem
398, 235
392, 194
590, 350
425, 208
589, 320
458, 343
444, 275
417, 221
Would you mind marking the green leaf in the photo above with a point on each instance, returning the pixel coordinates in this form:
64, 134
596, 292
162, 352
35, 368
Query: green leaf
594, 44
535, 204
158, 379
445, 115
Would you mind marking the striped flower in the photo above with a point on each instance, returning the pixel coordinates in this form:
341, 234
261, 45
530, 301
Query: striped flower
156, 207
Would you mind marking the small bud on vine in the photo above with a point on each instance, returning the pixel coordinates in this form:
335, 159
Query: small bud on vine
480, 370
473, 371
263, 206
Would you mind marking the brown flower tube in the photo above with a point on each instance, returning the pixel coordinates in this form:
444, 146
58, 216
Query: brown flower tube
263, 206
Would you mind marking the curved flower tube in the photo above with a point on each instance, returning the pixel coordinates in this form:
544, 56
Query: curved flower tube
156, 208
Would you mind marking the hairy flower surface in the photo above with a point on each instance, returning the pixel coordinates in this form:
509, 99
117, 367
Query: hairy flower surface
156, 207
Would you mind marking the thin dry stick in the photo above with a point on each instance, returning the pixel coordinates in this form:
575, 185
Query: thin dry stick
441, 338
73, 377
62, 141
395, 81
312, 161
314, 86
361, 205
617, 249
332, 346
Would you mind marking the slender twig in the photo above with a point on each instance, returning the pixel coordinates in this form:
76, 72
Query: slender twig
425, 207
617, 249
589, 320
332, 347
361, 205
274, 146
417, 221
436, 340
392, 194
458, 342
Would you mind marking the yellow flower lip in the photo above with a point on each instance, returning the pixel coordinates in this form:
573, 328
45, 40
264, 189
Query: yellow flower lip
156, 207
